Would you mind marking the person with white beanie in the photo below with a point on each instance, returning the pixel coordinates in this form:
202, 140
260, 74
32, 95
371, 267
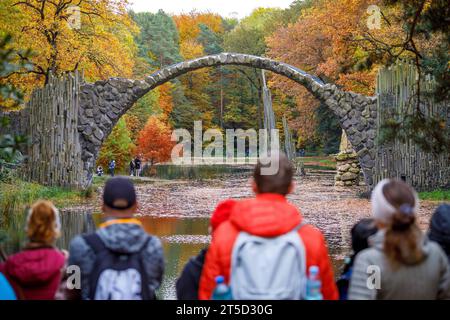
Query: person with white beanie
401, 262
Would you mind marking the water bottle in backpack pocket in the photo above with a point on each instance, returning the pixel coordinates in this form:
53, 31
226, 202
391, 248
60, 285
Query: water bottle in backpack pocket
117, 275
222, 290
314, 285
268, 268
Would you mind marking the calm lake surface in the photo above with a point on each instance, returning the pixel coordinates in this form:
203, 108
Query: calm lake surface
178, 212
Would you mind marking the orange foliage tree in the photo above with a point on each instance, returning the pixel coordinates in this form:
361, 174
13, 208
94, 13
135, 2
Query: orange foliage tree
100, 42
196, 82
154, 141
323, 41
165, 100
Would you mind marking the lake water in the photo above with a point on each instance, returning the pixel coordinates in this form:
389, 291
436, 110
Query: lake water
178, 212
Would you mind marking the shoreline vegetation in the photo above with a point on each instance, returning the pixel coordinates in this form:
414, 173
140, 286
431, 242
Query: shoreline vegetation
19, 194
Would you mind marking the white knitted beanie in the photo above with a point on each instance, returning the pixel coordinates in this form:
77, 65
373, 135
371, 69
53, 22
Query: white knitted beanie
382, 210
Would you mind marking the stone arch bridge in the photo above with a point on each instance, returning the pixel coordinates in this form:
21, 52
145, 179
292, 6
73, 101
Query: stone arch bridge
103, 103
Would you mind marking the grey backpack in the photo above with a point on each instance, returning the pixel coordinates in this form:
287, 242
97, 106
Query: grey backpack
268, 268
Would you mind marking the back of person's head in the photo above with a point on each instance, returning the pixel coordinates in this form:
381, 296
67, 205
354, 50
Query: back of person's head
222, 213
119, 196
43, 223
395, 204
278, 180
440, 227
361, 232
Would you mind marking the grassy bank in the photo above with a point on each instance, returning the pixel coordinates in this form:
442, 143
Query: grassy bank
21, 194
436, 195
319, 162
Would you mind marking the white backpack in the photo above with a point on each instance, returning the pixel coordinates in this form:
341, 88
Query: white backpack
268, 268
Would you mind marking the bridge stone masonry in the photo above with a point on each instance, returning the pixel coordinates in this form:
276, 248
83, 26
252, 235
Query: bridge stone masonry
103, 103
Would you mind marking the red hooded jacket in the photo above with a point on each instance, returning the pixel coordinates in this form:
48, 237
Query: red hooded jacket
36, 271
267, 215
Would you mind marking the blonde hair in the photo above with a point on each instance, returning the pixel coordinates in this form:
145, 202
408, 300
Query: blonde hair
43, 225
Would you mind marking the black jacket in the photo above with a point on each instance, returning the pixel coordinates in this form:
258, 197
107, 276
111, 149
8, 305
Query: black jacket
188, 283
440, 227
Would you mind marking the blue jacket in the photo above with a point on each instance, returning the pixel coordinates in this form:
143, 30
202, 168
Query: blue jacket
6, 291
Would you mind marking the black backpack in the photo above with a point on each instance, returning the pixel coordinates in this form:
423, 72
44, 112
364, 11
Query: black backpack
117, 275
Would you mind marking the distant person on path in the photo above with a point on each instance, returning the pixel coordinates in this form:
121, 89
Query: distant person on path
404, 264
188, 284
112, 167
35, 272
99, 171
120, 261
271, 220
138, 164
440, 228
360, 234
132, 168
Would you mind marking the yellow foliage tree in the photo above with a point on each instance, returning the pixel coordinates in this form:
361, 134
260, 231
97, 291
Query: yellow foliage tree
188, 26
91, 35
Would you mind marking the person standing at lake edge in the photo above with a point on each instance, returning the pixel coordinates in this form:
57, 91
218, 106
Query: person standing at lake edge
112, 167
105, 273
188, 283
132, 168
137, 165
35, 272
268, 215
404, 264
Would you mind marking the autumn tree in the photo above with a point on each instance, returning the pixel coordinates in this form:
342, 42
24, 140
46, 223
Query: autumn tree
193, 29
158, 40
101, 43
10, 144
158, 43
417, 30
154, 142
118, 146
323, 42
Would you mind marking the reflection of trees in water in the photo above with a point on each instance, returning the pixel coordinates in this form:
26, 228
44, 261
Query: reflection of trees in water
74, 222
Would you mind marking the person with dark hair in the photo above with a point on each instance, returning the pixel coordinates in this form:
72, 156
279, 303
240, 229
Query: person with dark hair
401, 264
35, 272
132, 168
137, 166
360, 234
188, 283
119, 261
440, 228
269, 238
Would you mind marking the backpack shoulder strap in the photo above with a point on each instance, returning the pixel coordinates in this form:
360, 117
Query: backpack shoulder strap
299, 226
95, 242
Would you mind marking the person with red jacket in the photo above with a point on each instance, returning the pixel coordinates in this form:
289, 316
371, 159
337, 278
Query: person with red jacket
267, 215
35, 272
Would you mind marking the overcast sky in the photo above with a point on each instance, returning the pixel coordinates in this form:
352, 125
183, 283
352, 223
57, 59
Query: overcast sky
227, 8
